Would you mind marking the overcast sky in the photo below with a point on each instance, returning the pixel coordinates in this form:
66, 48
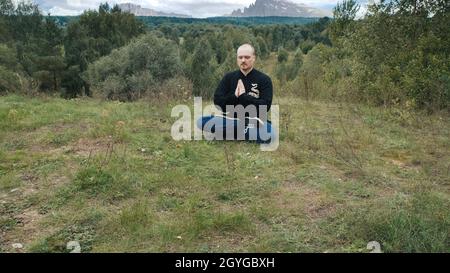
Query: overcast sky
195, 8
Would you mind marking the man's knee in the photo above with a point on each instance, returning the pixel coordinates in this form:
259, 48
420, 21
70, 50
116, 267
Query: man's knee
201, 122
266, 133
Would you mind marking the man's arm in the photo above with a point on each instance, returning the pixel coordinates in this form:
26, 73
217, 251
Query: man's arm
266, 94
223, 97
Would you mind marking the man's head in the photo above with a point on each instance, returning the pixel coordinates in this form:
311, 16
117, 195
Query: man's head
246, 57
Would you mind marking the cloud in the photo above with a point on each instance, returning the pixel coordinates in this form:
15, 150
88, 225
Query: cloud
62, 11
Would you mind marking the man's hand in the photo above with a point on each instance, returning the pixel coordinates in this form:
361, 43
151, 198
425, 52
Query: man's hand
240, 89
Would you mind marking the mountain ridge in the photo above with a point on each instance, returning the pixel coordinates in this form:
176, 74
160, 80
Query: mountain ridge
137, 10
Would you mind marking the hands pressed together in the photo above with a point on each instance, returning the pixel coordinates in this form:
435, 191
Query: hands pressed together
240, 89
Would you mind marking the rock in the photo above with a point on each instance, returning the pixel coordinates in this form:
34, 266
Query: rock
374, 246
74, 246
17, 246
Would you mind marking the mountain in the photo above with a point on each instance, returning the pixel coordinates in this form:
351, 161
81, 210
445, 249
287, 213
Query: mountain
279, 8
140, 11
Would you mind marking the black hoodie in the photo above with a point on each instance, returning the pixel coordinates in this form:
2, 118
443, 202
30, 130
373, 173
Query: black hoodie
258, 90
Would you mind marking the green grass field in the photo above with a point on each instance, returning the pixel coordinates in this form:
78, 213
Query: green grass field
109, 175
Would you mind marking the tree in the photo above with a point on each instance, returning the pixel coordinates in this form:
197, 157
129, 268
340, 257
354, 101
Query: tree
294, 67
49, 71
6, 8
397, 54
344, 16
35, 41
130, 71
263, 48
49, 63
8, 57
94, 35
202, 70
282, 55
280, 72
8, 64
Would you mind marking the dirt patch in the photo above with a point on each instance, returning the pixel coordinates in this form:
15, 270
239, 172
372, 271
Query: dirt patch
59, 128
233, 242
25, 231
25, 218
300, 200
83, 147
320, 209
405, 164
297, 199
87, 147
289, 199
39, 142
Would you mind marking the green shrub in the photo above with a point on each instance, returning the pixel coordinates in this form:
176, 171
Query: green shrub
9, 80
131, 71
93, 180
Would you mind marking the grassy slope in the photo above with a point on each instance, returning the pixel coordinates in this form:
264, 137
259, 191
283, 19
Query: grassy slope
109, 175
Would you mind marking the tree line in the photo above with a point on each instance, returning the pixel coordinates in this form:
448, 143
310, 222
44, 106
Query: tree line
39, 53
396, 54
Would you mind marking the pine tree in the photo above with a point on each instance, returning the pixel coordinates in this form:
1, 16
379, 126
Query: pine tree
203, 70
94, 35
282, 55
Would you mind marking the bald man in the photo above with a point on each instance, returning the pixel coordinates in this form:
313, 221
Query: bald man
246, 86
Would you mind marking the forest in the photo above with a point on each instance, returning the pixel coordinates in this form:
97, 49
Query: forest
397, 55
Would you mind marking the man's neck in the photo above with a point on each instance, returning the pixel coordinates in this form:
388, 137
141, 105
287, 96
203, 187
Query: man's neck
246, 72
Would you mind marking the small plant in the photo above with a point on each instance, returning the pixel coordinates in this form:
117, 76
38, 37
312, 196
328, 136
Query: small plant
93, 181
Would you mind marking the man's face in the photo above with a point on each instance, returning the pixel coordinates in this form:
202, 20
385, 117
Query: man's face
245, 58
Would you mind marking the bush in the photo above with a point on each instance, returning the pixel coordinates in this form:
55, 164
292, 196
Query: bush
9, 81
202, 70
282, 55
400, 54
306, 46
131, 71
175, 88
7, 57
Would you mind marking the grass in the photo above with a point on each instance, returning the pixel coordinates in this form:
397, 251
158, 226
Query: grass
109, 175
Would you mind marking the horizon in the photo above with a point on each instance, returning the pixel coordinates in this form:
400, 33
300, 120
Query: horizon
195, 9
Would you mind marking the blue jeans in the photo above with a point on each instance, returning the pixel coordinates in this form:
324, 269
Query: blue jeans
231, 129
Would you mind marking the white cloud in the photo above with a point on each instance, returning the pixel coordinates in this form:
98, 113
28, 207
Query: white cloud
62, 11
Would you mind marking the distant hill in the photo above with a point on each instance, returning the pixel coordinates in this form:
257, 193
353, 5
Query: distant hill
263, 8
242, 21
140, 11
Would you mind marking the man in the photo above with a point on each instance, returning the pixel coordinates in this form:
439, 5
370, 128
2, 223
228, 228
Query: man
244, 87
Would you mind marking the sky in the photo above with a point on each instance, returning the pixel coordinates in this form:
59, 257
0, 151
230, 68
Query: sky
195, 8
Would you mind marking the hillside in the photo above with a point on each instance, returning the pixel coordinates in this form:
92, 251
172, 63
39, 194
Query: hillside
263, 8
109, 176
